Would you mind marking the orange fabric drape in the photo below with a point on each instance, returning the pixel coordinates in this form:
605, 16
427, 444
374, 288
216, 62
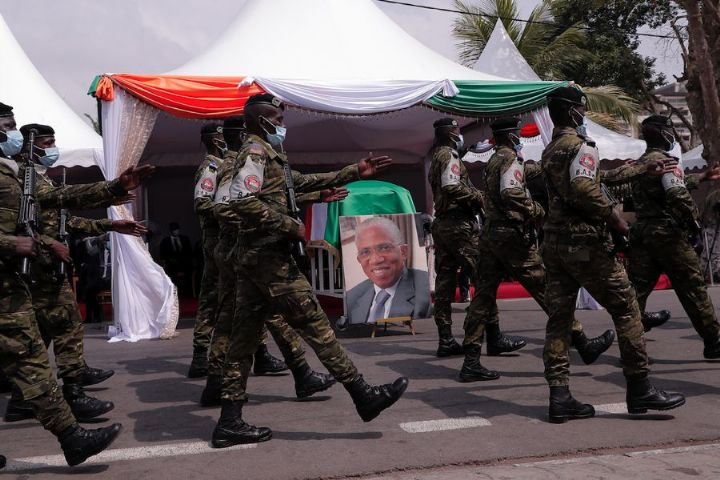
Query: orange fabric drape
190, 97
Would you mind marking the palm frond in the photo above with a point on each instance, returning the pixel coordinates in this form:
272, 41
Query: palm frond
608, 121
562, 53
611, 100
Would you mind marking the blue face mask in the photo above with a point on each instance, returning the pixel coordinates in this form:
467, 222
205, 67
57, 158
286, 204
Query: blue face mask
275, 139
580, 124
13, 144
51, 156
517, 144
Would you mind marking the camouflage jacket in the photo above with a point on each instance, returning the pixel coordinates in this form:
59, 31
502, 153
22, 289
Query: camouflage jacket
258, 195
665, 199
507, 198
576, 202
206, 182
453, 192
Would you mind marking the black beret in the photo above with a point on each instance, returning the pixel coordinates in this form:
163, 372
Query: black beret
507, 124
267, 99
236, 122
210, 129
6, 110
658, 120
445, 122
572, 95
40, 130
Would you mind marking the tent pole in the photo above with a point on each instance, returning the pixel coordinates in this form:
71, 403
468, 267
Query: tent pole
99, 116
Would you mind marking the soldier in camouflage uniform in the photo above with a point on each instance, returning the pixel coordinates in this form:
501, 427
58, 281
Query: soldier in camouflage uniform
269, 281
56, 310
23, 356
508, 247
455, 236
307, 381
577, 253
666, 218
211, 137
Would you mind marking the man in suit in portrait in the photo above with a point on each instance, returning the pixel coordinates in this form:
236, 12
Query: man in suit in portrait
392, 289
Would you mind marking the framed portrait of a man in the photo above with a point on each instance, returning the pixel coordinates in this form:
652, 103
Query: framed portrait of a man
385, 268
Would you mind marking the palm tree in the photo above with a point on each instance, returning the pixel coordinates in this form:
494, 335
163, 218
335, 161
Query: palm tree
550, 49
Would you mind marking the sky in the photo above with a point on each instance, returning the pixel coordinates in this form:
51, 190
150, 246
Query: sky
71, 41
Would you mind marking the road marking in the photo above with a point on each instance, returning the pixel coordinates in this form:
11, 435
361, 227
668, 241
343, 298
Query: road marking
444, 424
119, 454
611, 408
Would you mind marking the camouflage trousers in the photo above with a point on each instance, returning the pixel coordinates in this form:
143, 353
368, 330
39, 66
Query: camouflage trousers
577, 261
60, 323
503, 252
24, 358
658, 249
208, 298
456, 246
270, 283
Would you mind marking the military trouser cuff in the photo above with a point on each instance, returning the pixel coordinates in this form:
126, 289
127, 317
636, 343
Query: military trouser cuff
243, 398
559, 383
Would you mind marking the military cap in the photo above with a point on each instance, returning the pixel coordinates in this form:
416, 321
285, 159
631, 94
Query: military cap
658, 120
572, 95
40, 130
445, 122
6, 110
236, 122
265, 99
211, 129
507, 124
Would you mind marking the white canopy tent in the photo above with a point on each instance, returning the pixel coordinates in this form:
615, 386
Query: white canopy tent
500, 57
35, 101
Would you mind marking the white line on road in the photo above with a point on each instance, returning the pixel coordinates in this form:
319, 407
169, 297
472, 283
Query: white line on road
119, 454
444, 424
610, 408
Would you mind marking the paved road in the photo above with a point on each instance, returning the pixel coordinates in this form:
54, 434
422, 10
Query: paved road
439, 422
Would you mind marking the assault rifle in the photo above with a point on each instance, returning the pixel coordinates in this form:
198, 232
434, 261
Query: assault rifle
620, 241
27, 218
294, 212
62, 233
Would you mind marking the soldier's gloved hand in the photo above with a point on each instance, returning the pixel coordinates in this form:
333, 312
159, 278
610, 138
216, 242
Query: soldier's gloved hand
129, 227
26, 246
131, 178
617, 223
334, 194
60, 251
711, 174
370, 166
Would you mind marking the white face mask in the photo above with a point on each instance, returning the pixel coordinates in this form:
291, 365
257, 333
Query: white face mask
675, 150
459, 140
580, 125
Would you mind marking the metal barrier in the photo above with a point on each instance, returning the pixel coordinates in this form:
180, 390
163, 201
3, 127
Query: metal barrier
326, 274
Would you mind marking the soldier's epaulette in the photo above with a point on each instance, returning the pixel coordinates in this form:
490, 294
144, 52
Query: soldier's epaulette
213, 165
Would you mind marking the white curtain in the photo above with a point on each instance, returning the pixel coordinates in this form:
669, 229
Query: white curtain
145, 301
354, 98
544, 124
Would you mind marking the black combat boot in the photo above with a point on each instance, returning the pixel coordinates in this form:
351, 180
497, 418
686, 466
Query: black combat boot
642, 396
199, 365
84, 407
79, 444
651, 320
93, 376
712, 349
232, 430
266, 364
211, 394
5, 383
591, 349
497, 343
17, 409
564, 407
2, 462
309, 382
472, 370
447, 346
371, 400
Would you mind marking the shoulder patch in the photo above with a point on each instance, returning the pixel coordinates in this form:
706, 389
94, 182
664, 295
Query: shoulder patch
674, 179
585, 163
205, 186
249, 180
513, 177
451, 174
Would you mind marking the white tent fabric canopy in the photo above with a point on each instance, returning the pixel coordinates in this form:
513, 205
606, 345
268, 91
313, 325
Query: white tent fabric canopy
500, 57
34, 101
693, 158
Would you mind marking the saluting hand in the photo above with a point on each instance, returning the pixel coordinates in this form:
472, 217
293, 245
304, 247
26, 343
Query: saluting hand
334, 194
131, 178
370, 166
129, 227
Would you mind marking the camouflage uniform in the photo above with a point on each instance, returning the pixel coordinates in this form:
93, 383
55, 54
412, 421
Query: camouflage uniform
455, 228
576, 254
659, 243
23, 357
269, 281
205, 186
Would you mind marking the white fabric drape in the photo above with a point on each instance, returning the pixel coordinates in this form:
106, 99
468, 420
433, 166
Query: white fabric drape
352, 97
145, 301
541, 117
